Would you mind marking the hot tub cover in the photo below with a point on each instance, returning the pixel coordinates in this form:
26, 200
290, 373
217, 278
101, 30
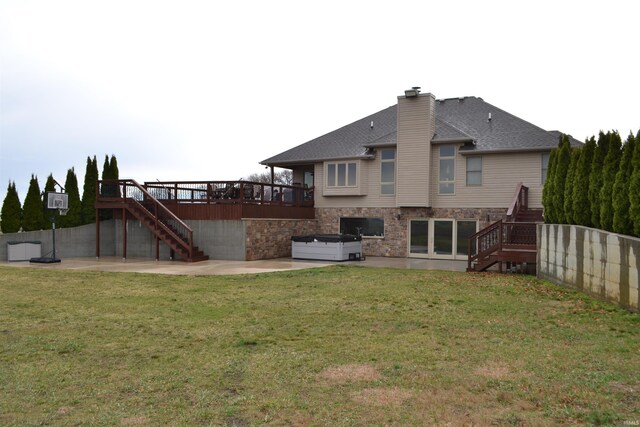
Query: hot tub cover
329, 238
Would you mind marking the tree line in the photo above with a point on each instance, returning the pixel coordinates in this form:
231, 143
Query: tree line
34, 215
596, 185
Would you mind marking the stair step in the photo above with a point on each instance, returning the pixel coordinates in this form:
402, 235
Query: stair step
176, 244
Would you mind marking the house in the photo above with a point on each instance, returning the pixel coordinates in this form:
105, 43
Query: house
421, 177
452, 179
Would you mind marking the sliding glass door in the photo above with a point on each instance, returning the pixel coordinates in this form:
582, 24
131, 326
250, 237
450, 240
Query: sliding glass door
440, 238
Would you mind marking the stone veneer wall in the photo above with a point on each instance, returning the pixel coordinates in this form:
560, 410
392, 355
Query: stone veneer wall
396, 224
602, 264
271, 238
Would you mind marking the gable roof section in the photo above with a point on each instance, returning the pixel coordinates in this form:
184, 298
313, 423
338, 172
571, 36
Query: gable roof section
457, 120
347, 142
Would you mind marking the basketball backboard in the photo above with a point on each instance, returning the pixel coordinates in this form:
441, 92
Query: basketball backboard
57, 200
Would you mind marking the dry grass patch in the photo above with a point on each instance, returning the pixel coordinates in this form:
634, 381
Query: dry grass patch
382, 396
350, 373
134, 421
494, 370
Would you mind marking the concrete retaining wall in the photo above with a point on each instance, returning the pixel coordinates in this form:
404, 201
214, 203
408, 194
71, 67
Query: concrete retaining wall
599, 263
246, 239
218, 239
70, 242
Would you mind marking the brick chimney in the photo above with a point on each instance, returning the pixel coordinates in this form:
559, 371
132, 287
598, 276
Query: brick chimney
415, 129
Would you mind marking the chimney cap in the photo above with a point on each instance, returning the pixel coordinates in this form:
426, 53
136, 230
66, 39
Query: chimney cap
414, 91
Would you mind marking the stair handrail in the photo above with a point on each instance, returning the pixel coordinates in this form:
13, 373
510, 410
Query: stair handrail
486, 241
520, 201
160, 212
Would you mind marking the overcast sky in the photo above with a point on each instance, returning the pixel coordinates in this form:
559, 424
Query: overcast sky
205, 90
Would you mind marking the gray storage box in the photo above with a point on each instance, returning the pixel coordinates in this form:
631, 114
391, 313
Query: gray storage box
23, 251
327, 247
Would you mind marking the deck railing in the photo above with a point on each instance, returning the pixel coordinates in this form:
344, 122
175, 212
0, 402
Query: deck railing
245, 192
501, 236
519, 203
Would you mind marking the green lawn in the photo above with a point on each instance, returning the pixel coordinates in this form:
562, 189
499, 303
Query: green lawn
331, 346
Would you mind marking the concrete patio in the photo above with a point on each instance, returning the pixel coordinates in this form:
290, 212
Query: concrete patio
220, 267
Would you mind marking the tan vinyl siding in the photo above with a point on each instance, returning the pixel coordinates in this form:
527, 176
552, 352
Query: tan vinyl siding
501, 173
370, 185
416, 124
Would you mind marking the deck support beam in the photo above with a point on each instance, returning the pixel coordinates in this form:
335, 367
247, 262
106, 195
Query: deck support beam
97, 233
124, 233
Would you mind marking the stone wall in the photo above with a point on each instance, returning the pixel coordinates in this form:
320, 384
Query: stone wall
602, 264
396, 224
271, 238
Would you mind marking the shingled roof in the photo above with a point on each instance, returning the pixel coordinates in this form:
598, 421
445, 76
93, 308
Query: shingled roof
457, 120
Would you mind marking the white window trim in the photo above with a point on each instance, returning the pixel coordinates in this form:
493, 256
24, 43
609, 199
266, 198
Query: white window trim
544, 176
454, 158
467, 171
395, 172
346, 178
430, 239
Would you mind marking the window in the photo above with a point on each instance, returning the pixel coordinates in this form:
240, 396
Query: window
441, 237
341, 174
447, 170
474, 170
545, 166
388, 171
362, 226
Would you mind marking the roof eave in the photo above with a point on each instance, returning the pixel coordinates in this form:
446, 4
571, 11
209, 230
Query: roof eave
318, 160
506, 150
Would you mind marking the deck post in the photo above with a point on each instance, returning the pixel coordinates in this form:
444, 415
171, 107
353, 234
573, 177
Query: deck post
124, 234
157, 248
97, 233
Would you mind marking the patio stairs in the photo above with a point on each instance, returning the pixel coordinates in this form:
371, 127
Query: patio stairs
510, 244
155, 216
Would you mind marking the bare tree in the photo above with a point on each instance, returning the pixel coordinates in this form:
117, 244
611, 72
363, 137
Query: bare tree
284, 177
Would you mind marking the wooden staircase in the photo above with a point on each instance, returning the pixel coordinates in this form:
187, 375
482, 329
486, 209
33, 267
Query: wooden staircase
163, 224
511, 244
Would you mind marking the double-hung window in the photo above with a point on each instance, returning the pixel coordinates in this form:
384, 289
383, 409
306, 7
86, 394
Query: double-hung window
447, 171
341, 174
388, 171
545, 166
474, 170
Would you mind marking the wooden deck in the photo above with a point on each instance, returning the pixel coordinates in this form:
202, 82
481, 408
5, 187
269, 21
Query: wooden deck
222, 200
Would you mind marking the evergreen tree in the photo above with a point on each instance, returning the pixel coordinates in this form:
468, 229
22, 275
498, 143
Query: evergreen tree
581, 206
568, 186
73, 216
11, 212
547, 190
50, 186
560, 178
106, 190
611, 166
114, 173
595, 178
621, 219
32, 218
634, 188
89, 191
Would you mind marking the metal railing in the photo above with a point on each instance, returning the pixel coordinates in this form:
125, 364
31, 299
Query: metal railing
247, 192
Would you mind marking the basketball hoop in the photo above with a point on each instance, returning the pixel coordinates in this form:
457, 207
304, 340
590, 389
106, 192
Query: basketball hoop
63, 212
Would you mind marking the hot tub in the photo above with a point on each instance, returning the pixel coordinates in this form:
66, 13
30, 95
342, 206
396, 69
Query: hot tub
327, 247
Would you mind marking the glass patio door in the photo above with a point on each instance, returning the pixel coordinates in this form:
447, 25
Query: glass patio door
419, 238
440, 238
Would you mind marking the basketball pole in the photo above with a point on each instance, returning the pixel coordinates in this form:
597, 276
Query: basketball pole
53, 228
